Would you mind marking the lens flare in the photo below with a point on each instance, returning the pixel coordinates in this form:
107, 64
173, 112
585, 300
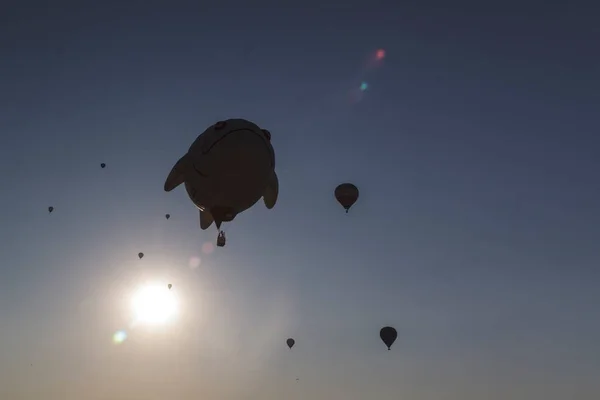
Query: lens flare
119, 337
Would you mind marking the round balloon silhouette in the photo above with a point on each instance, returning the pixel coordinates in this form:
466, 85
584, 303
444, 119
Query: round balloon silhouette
388, 335
290, 342
346, 194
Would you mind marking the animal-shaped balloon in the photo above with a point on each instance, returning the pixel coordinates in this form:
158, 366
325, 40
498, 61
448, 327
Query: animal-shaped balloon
227, 169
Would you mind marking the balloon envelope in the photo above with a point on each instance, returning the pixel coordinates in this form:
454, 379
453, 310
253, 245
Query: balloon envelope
140, 255
388, 335
50, 209
290, 342
102, 165
167, 216
170, 286
346, 194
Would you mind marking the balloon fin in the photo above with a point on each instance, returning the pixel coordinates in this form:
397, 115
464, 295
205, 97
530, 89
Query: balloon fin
206, 219
177, 175
272, 191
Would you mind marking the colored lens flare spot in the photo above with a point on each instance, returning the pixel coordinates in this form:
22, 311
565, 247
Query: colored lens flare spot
195, 262
119, 337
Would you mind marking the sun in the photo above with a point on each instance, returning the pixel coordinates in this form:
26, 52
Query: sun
154, 305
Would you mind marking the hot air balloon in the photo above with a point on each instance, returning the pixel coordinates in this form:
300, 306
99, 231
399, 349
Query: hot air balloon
227, 169
170, 286
140, 255
102, 165
167, 216
388, 335
290, 342
50, 209
346, 194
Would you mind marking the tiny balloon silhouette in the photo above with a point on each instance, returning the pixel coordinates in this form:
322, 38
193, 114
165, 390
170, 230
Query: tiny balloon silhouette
140, 255
102, 165
388, 335
167, 216
170, 286
346, 194
50, 209
290, 342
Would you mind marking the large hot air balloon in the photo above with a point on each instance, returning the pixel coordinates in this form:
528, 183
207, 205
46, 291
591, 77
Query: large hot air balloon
346, 194
388, 335
227, 169
140, 255
102, 165
167, 216
50, 209
169, 286
290, 342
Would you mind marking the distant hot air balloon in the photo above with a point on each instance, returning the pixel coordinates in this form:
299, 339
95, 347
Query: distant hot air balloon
170, 286
50, 209
388, 335
140, 255
167, 216
102, 165
346, 194
290, 342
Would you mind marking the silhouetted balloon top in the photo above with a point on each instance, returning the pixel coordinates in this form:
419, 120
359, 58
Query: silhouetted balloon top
290, 342
346, 194
140, 255
388, 335
50, 209
167, 216
102, 165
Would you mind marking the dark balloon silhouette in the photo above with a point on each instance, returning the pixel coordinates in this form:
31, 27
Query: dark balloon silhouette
167, 216
102, 165
244, 173
170, 286
290, 342
346, 194
50, 209
388, 335
140, 255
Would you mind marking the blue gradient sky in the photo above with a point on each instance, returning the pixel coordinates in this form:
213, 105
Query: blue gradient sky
475, 148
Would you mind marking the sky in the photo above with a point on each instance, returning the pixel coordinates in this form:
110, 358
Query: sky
475, 148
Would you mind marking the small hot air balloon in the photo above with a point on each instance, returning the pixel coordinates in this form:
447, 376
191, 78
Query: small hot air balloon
388, 335
290, 342
170, 286
167, 216
102, 165
50, 209
140, 255
346, 194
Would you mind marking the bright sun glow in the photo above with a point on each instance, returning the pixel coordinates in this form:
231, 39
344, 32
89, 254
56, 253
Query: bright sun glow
154, 304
